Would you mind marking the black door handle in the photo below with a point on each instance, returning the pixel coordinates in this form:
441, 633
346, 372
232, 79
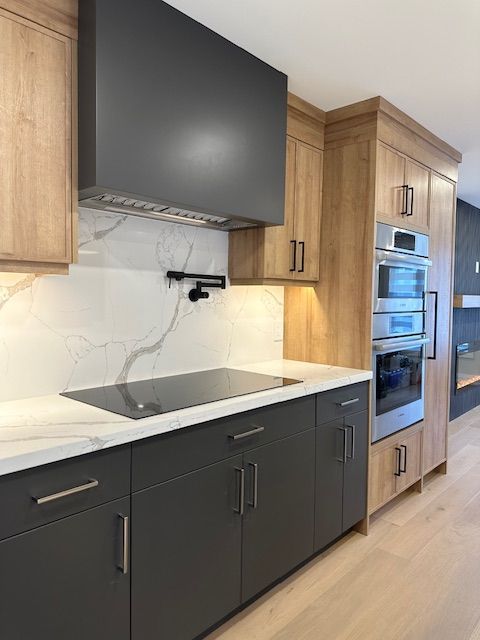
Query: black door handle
302, 262
404, 470
435, 326
405, 200
411, 202
399, 454
294, 255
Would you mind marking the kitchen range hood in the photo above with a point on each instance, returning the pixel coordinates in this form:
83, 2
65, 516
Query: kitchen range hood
175, 122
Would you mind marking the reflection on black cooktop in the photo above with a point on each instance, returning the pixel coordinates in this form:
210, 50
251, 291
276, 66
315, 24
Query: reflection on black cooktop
145, 398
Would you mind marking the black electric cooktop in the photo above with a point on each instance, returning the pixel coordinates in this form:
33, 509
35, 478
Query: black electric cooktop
145, 398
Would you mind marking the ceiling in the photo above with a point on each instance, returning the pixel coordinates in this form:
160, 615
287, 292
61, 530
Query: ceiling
424, 56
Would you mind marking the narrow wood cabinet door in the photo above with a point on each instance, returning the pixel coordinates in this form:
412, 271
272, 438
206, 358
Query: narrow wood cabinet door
35, 142
308, 211
329, 448
410, 461
418, 180
442, 221
279, 249
63, 580
381, 485
355, 470
279, 521
186, 553
390, 181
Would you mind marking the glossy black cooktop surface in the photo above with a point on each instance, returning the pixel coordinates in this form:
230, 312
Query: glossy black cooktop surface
145, 398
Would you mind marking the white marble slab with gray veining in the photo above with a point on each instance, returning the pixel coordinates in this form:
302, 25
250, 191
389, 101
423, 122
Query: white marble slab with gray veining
36, 431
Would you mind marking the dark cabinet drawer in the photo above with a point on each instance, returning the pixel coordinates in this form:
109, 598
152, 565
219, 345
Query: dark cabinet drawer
159, 459
341, 402
38, 496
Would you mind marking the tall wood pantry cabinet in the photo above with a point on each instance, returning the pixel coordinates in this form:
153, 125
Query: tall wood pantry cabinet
37, 135
288, 254
381, 166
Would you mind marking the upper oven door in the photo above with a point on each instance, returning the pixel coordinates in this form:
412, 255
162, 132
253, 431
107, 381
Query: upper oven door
400, 282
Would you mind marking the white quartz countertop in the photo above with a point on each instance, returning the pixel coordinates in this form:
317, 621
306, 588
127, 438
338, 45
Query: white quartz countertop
46, 429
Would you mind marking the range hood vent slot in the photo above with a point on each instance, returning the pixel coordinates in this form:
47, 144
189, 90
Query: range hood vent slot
130, 206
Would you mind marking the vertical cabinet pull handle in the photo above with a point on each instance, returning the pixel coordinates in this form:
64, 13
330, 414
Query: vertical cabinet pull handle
411, 202
399, 453
254, 501
404, 470
241, 492
352, 449
125, 544
345, 442
302, 260
294, 255
435, 326
405, 200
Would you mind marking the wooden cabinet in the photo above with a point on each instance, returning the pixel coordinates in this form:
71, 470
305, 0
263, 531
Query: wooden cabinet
67, 579
288, 254
402, 190
278, 519
395, 465
37, 145
341, 476
439, 310
186, 552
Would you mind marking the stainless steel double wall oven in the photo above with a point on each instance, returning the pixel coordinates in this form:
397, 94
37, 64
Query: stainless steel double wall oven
399, 338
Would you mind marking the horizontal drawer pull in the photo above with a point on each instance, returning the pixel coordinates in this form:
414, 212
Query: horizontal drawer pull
67, 492
347, 402
246, 434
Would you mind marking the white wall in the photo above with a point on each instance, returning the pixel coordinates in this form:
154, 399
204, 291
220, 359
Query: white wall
114, 317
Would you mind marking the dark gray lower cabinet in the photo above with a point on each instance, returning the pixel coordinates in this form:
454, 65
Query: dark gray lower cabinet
278, 522
62, 580
186, 553
341, 476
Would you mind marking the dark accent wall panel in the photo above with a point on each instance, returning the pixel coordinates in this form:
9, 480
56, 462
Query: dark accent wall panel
466, 322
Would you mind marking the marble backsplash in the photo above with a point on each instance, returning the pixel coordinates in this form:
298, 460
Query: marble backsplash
114, 318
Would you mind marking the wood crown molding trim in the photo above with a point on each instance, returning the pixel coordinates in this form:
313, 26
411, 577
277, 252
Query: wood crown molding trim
305, 108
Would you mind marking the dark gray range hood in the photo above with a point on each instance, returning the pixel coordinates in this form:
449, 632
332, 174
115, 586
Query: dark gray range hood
175, 122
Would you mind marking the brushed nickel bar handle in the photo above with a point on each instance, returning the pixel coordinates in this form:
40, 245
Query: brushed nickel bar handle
67, 492
125, 549
352, 454
347, 402
241, 498
254, 501
247, 434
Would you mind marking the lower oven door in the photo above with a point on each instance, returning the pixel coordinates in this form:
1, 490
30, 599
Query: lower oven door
398, 366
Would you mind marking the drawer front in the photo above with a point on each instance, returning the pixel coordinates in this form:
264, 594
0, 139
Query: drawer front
38, 496
164, 457
341, 402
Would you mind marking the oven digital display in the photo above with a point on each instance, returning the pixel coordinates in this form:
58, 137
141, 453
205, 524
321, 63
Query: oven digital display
401, 325
405, 241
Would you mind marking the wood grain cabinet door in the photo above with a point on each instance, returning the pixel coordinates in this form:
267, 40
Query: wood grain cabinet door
390, 186
35, 143
437, 377
384, 464
417, 178
308, 211
410, 461
63, 579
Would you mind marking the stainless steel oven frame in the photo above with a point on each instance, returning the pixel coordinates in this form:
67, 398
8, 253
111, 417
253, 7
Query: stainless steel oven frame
395, 259
402, 417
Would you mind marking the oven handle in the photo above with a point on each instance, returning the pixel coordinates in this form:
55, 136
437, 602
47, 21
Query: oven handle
404, 344
393, 256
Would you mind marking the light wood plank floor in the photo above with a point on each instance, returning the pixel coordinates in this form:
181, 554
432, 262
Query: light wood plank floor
415, 577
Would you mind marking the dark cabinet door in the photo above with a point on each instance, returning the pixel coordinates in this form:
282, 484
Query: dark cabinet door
186, 553
355, 469
63, 580
329, 447
278, 521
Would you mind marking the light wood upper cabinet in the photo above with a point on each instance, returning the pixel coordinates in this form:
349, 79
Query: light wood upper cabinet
288, 254
440, 284
402, 190
36, 153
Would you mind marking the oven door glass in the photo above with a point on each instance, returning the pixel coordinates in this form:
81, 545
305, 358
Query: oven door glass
398, 378
395, 281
